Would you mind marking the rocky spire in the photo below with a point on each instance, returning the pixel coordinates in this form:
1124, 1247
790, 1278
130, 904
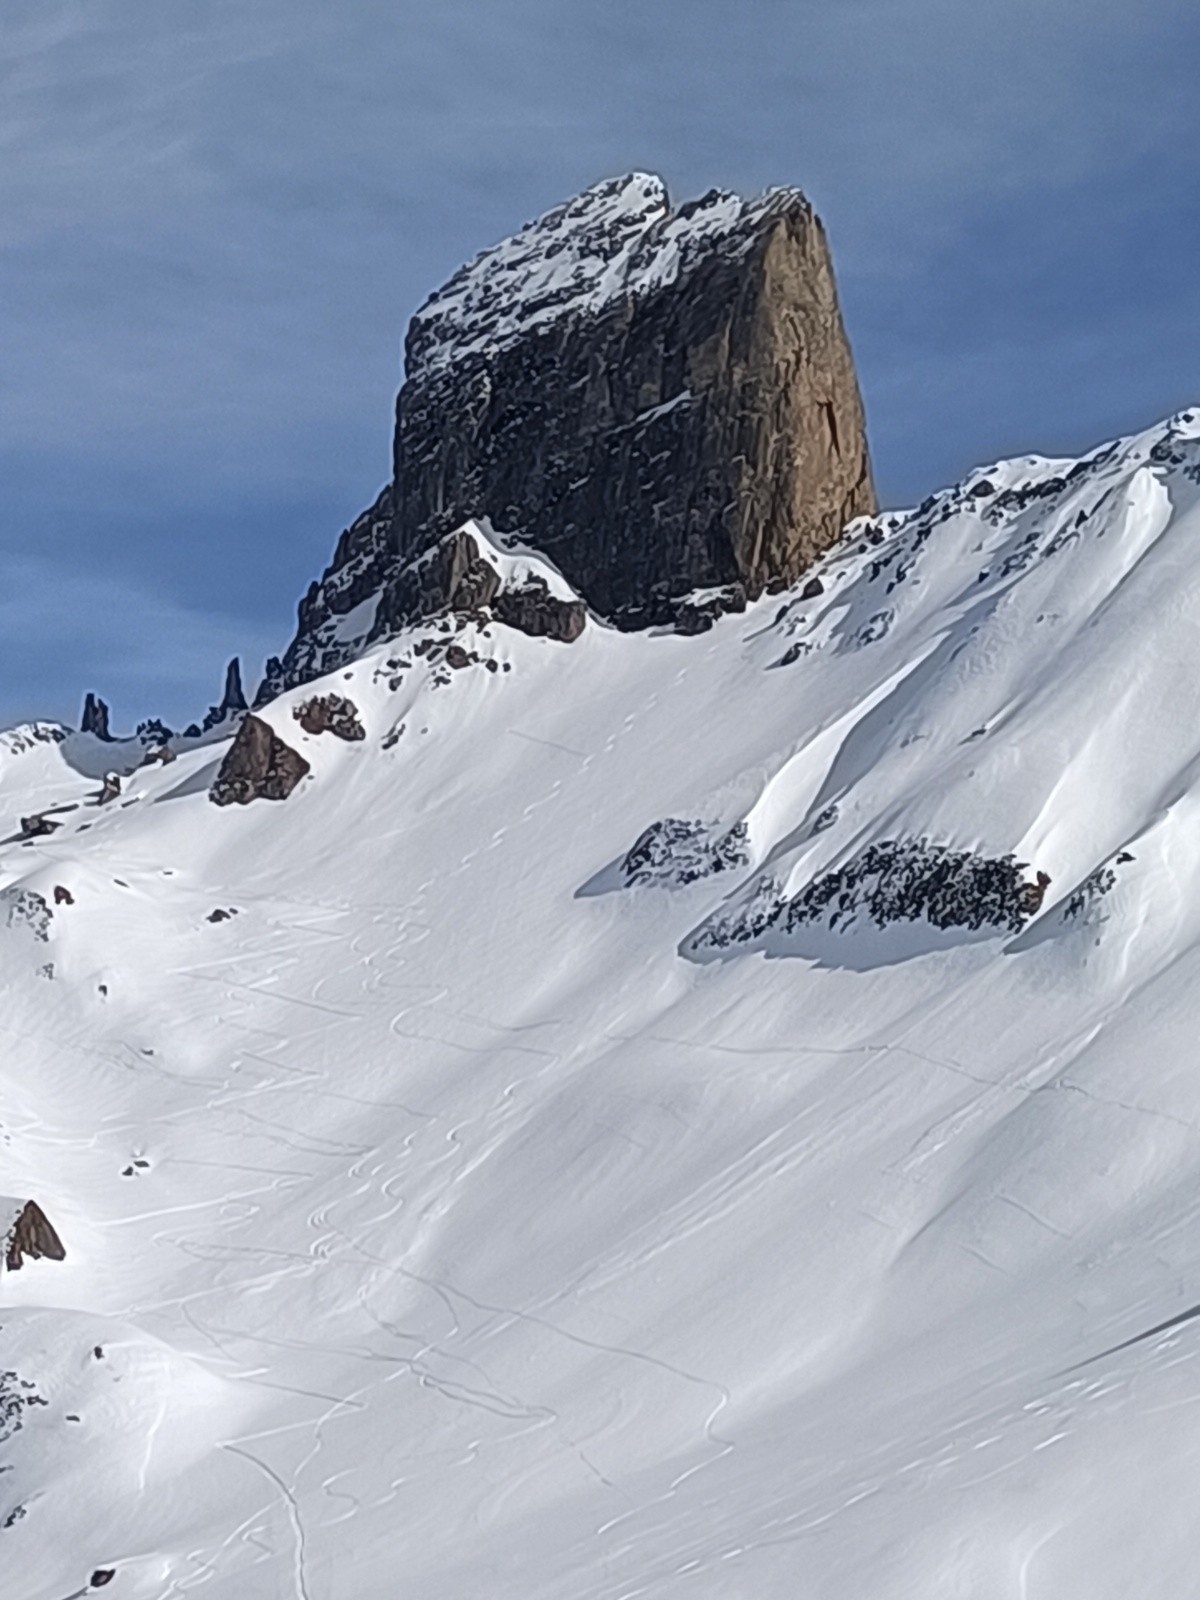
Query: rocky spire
95, 718
233, 700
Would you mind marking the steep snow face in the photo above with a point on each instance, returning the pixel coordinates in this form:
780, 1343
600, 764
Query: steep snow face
618, 237
504, 1194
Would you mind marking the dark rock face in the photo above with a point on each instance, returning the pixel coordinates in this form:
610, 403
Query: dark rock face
659, 401
258, 766
27, 1234
362, 560
330, 713
532, 609
450, 576
95, 718
683, 412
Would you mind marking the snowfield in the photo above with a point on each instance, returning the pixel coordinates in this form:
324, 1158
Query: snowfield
476, 1209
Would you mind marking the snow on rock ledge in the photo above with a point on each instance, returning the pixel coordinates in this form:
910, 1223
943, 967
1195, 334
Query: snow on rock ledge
617, 238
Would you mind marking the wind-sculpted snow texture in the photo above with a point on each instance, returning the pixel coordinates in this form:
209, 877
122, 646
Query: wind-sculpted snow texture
446, 1219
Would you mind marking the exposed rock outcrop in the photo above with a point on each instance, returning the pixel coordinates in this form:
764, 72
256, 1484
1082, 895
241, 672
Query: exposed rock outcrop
330, 713
154, 733
892, 882
26, 1234
450, 576
258, 766
28, 735
660, 402
95, 718
326, 633
532, 609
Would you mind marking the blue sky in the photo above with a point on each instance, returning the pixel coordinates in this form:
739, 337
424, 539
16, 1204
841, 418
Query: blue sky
216, 218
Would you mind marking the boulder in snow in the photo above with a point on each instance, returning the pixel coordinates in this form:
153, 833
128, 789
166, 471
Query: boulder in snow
258, 766
26, 1234
330, 713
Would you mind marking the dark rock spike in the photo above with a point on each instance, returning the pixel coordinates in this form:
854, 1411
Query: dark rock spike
234, 698
95, 718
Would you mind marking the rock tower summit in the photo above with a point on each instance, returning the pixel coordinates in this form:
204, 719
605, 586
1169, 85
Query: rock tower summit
658, 400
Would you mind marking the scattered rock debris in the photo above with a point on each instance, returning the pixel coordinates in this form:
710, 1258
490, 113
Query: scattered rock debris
17, 1395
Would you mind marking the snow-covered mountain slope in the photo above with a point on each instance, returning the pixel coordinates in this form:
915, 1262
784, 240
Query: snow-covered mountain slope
801, 1203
